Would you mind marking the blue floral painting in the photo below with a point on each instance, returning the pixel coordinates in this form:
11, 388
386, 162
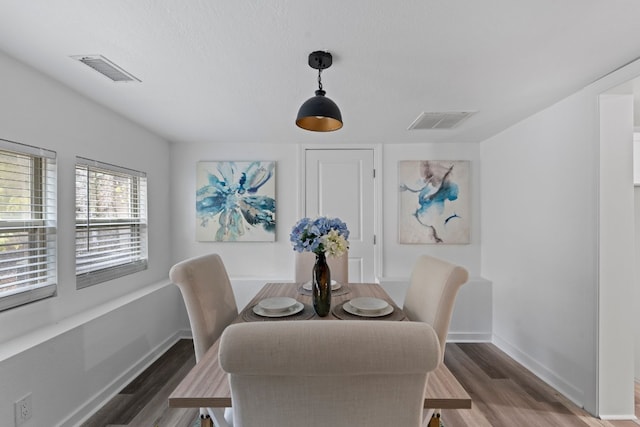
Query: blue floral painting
434, 201
235, 201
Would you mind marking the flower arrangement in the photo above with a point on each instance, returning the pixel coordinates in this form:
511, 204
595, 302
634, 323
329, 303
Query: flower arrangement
320, 235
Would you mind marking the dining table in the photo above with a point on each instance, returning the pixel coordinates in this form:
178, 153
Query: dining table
207, 386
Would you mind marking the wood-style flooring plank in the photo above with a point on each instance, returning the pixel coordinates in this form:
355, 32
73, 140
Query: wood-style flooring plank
150, 382
144, 401
156, 412
506, 394
109, 414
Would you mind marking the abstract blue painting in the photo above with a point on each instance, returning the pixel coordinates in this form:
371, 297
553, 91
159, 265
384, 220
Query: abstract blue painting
434, 201
235, 201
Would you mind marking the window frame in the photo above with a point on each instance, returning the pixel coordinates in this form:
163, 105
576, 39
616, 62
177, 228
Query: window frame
41, 230
137, 222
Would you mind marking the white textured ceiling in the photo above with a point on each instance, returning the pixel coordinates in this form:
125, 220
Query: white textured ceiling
236, 70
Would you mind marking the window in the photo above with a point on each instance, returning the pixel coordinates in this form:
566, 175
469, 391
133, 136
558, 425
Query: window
111, 222
27, 224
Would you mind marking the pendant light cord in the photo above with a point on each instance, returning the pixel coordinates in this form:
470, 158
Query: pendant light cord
320, 78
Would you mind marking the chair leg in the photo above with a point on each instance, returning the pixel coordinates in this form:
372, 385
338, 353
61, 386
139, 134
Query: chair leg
205, 421
436, 420
217, 415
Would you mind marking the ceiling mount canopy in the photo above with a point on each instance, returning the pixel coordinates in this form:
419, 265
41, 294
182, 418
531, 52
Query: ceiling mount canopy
319, 113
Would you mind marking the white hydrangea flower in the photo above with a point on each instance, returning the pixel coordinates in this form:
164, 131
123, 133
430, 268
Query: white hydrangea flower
335, 244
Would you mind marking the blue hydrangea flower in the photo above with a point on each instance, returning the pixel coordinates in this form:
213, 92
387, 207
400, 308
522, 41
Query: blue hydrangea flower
320, 235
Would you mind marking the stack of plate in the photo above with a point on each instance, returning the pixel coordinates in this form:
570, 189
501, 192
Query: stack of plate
334, 286
368, 307
278, 307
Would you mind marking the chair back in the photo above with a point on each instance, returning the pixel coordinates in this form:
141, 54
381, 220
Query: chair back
339, 267
339, 373
432, 291
208, 297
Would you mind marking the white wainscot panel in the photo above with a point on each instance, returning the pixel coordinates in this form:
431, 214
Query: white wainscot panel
472, 315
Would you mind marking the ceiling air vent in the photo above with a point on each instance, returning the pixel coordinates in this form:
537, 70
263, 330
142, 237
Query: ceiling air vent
440, 120
106, 68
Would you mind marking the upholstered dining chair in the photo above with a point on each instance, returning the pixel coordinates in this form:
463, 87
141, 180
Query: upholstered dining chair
211, 306
432, 291
339, 373
339, 267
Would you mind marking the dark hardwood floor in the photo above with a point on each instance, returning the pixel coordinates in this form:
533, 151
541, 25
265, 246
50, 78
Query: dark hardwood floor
504, 394
143, 403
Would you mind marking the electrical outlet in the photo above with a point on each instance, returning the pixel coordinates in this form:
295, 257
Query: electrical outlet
24, 410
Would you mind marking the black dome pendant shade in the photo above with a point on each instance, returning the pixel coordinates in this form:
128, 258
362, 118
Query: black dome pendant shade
319, 113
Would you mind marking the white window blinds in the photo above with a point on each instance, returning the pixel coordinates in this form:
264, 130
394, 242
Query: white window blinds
27, 224
111, 222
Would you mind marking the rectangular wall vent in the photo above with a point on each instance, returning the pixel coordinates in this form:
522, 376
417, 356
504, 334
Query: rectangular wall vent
106, 68
440, 120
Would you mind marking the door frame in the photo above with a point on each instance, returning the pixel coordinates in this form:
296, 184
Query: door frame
377, 191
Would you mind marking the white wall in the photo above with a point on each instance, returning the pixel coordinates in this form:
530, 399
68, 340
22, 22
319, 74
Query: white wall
539, 228
67, 350
616, 256
636, 158
540, 248
636, 298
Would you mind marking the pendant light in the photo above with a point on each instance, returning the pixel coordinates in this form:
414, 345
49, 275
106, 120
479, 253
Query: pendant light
319, 113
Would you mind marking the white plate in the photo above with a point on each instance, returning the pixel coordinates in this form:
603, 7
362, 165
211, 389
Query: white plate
295, 309
334, 286
368, 304
276, 305
352, 310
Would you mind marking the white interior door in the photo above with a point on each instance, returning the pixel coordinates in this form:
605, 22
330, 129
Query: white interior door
340, 183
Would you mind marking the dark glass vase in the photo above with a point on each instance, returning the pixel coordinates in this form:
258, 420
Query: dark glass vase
321, 285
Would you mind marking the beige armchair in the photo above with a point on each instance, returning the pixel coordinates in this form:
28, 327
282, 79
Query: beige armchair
339, 267
337, 373
211, 305
432, 292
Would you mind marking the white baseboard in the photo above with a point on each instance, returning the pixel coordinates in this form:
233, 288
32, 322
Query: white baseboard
571, 392
100, 399
618, 417
463, 337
